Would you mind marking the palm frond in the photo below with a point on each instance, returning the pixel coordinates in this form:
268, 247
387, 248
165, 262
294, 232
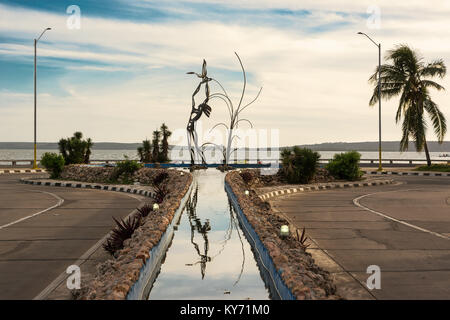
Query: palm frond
435, 68
437, 118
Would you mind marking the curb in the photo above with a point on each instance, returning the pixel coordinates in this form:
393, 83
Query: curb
22, 171
410, 173
96, 186
273, 194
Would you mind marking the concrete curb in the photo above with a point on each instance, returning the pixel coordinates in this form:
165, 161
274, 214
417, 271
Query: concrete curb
117, 188
410, 173
22, 171
282, 192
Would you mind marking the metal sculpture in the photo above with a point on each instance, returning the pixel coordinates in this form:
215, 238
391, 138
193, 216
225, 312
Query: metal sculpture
234, 113
196, 113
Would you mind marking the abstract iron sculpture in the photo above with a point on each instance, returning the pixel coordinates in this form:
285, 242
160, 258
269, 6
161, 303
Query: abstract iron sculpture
196, 113
233, 112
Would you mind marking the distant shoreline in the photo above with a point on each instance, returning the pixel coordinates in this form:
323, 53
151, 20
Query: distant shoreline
327, 146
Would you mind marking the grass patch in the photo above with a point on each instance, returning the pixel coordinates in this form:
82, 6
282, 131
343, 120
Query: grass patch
434, 167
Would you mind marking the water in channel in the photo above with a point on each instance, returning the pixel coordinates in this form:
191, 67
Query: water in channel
209, 257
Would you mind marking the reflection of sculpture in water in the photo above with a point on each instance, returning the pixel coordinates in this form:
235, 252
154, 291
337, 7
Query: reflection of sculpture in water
196, 225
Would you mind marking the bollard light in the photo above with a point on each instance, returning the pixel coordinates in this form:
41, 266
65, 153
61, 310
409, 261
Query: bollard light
247, 192
155, 206
181, 173
284, 231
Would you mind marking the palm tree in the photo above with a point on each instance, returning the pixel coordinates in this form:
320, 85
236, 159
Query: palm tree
145, 152
155, 142
408, 76
165, 143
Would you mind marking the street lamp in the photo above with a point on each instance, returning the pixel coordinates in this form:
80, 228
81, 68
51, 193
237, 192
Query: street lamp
380, 167
35, 45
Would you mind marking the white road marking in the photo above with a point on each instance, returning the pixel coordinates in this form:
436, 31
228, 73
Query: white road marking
356, 203
60, 202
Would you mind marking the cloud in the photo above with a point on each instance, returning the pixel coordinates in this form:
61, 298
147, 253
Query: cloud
314, 77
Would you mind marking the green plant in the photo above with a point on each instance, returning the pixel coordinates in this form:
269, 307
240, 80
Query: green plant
160, 178
160, 188
155, 142
145, 210
246, 176
299, 165
125, 170
345, 166
435, 167
409, 77
123, 231
75, 149
164, 154
302, 239
160, 193
145, 152
54, 163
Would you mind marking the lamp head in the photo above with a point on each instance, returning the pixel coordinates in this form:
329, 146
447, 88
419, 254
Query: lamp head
360, 32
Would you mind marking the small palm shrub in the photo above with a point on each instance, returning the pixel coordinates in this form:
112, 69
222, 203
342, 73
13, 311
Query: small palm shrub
54, 163
75, 149
299, 165
123, 231
345, 166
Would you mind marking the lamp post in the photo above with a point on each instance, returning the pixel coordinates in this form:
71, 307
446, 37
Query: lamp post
380, 167
35, 45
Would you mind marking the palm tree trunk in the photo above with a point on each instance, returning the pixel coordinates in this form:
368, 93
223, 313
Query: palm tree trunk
427, 153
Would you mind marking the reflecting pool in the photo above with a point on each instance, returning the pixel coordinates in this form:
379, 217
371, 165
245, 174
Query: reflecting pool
209, 256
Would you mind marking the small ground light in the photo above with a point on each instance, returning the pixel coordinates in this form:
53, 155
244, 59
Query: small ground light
155, 206
247, 192
181, 173
284, 231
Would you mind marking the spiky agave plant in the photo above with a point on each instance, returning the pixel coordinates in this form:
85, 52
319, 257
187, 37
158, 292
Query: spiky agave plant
302, 239
124, 230
145, 210
234, 112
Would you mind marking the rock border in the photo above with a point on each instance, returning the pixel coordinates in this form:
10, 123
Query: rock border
4, 171
410, 173
272, 277
320, 187
139, 190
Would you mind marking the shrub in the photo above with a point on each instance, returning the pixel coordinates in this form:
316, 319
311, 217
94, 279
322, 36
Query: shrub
160, 178
345, 166
54, 163
145, 210
435, 167
160, 193
125, 170
123, 231
246, 176
75, 150
145, 152
299, 164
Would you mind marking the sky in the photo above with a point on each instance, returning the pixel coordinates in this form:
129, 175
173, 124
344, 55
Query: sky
122, 73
